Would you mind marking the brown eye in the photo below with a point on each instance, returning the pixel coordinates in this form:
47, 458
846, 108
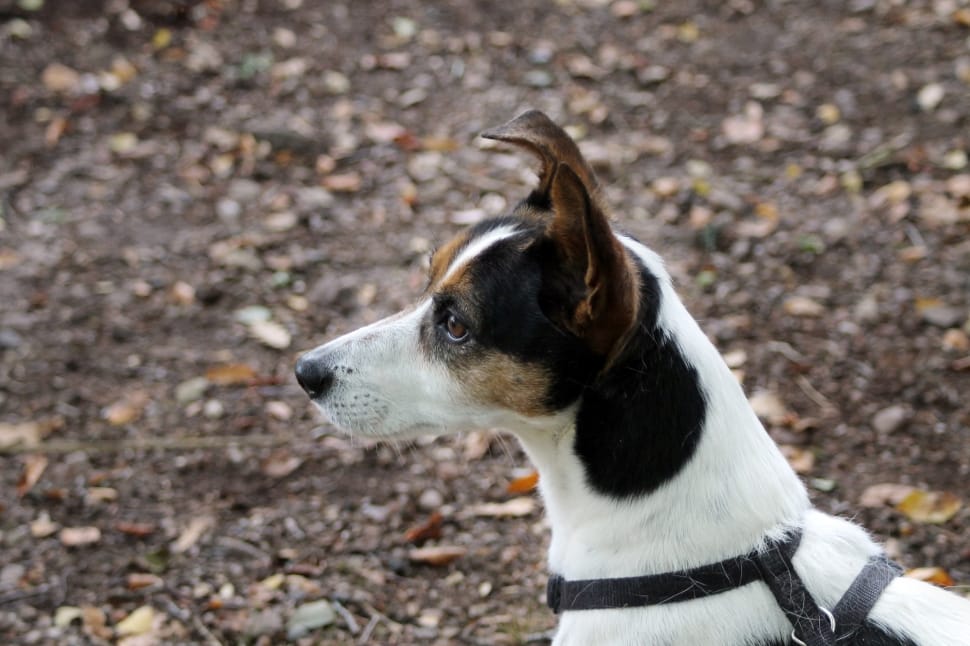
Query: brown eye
457, 331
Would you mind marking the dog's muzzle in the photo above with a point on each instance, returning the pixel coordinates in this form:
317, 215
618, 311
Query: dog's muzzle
314, 376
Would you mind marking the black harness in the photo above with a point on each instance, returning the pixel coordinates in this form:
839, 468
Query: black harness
812, 624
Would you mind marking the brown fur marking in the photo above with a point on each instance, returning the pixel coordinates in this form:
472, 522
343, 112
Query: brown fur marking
497, 378
444, 256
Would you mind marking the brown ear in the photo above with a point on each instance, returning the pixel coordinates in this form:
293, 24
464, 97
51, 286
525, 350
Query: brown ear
588, 250
537, 133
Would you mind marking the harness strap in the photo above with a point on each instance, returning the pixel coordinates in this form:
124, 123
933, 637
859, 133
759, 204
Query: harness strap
813, 625
854, 606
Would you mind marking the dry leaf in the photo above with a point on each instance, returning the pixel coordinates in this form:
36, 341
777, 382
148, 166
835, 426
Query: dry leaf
230, 374
801, 460
270, 333
439, 555
886, 493
127, 409
477, 444
139, 530
138, 622
930, 506
935, 575
60, 78
95, 622
280, 464
64, 615
525, 484
428, 530
77, 536
34, 465
26, 434
803, 306
768, 406
342, 182
192, 533
515, 507
140, 580
43, 526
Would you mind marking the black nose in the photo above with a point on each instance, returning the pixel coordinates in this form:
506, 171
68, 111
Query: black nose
315, 377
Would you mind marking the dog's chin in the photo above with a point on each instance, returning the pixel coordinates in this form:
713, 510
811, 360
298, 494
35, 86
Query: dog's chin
377, 427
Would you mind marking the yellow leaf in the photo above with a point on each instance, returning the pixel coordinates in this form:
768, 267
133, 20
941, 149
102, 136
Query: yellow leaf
138, 622
930, 506
230, 374
162, 38
525, 484
934, 575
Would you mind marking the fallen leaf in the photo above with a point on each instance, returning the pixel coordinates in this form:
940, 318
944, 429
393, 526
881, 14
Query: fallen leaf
138, 622
192, 533
438, 555
231, 374
305, 618
280, 464
138, 530
930, 506
127, 409
803, 306
43, 526
522, 506
428, 530
886, 493
935, 575
64, 615
525, 484
34, 465
271, 333
57, 77
97, 495
24, 434
141, 580
768, 406
78, 536
95, 622
342, 182
801, 460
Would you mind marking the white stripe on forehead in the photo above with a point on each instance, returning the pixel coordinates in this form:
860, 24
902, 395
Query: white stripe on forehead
477, 246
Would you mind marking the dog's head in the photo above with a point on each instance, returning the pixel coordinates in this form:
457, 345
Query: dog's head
520, 314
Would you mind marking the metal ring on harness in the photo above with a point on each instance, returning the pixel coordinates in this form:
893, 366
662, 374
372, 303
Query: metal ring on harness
828, 614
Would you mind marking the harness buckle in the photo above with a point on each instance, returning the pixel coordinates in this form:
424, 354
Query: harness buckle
828, 614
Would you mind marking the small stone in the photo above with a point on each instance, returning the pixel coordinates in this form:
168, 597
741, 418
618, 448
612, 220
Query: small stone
314, 197
191, 390
538, 78
889, 419
271, 333
228, 210
243, 190
284, 38
430, 500
942, 316
263, 622
309, 616
213, 409
335, 83
930, 96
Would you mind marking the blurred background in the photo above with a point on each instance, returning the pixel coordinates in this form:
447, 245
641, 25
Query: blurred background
191, 193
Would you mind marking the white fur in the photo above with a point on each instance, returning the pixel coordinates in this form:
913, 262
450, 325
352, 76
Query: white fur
735, 491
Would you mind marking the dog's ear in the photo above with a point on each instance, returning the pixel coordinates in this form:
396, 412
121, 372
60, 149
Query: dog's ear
591, 257
538, 134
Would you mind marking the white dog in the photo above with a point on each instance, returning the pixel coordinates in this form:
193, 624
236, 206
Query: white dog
675, 519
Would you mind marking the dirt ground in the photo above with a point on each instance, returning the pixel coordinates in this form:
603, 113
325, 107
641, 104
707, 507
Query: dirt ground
194, 192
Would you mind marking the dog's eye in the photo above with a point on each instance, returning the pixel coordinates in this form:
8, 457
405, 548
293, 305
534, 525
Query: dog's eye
457, 331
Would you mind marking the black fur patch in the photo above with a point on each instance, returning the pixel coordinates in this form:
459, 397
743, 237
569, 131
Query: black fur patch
639, 424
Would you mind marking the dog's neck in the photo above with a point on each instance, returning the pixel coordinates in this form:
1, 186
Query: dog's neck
731, 490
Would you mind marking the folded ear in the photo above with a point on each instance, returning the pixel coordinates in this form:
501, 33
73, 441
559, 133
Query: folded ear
588, 253
537, 133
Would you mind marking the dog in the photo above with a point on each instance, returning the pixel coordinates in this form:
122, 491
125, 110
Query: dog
653, 467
